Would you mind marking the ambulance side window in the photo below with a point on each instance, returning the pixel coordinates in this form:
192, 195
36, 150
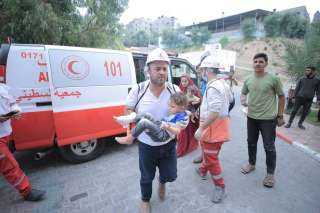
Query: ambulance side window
179, 68
139, 64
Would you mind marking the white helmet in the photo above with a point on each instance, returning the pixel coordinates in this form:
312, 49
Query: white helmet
158, 55
210, 62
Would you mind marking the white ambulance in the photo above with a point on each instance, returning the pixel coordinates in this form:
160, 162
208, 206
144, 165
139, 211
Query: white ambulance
69, 95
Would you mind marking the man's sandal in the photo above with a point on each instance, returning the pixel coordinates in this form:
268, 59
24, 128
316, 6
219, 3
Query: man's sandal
268, 181
247, 169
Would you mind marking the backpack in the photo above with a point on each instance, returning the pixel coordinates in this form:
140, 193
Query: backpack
143, 87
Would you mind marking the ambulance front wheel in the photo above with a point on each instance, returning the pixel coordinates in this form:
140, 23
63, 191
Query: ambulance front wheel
83, 151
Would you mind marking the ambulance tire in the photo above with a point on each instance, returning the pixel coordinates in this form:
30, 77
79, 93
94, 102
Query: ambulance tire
73, 154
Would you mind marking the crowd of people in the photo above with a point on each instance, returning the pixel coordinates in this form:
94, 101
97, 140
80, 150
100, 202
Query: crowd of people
209, 123
172, 121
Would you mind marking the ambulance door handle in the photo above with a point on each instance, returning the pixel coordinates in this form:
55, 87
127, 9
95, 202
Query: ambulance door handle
40, 104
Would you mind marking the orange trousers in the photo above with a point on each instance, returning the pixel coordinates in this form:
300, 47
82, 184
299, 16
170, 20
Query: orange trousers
10, 169
211, 163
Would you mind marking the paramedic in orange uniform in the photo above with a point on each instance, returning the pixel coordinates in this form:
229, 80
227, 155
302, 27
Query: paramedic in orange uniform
213, 130
9, 167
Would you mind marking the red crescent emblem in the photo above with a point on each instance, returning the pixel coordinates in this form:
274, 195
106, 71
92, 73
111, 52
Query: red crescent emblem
75, 67
70, 68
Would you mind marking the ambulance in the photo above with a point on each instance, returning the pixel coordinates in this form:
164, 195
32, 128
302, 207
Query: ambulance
69, 95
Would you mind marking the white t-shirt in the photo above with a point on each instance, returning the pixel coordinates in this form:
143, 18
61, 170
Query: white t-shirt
215, 99
158, 107
7, 104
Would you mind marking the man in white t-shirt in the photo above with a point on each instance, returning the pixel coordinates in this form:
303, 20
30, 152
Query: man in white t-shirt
9, 167
153, 97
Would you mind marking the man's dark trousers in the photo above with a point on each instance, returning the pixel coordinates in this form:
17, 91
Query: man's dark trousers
306, 105
268, 132
150, 157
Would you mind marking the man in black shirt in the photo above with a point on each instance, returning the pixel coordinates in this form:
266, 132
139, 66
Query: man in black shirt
305, 90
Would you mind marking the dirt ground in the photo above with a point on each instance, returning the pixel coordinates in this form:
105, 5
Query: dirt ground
275, 50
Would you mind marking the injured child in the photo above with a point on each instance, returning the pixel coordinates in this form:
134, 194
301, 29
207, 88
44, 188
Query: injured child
159, 131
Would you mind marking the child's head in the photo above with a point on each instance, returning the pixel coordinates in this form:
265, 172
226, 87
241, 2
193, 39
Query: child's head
190, 90
178, 103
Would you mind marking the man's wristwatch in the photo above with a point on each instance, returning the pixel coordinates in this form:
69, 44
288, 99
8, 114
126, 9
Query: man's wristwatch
279, 116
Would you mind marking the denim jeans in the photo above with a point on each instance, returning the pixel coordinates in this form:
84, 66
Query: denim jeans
268, 132
150, 157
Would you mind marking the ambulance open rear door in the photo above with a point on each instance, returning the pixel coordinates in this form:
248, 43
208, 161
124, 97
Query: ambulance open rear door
88, 87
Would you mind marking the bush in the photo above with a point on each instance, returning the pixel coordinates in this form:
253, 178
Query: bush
224, 41
298, 57
289, 25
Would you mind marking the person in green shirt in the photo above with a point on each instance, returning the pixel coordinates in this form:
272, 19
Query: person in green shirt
263, 95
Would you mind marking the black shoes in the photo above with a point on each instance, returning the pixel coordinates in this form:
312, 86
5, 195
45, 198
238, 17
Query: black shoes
301, 126
288, 125
35, 195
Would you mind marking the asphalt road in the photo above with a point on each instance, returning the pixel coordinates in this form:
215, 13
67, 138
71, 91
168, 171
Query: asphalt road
111, 182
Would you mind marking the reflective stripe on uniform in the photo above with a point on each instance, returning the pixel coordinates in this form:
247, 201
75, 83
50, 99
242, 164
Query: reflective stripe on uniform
209, 151
217, 177
19, 181
2, 156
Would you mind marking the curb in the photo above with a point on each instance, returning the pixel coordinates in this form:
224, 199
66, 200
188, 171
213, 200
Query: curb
313, 154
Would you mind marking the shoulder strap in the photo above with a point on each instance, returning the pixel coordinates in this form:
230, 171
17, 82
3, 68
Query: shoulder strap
208, 87
142, 89
170, 88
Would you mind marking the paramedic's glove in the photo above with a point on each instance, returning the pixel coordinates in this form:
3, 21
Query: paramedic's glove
198, 133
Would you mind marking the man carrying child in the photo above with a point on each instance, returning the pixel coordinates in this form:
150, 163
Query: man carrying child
153, 97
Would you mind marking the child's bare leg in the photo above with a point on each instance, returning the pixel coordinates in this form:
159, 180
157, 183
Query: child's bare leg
125, 140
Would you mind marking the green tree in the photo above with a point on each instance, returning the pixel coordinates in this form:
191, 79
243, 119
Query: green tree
137, 39
154, 37
272, 25
224, 41
200, 35
175, 39
288, 25
100, 27
140, 39
248, 28
308, 54
59, 22
293, 26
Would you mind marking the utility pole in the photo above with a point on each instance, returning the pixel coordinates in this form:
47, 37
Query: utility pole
222, 21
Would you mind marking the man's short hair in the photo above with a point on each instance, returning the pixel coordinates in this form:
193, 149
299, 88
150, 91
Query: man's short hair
261, 55
312, 68
179, 99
